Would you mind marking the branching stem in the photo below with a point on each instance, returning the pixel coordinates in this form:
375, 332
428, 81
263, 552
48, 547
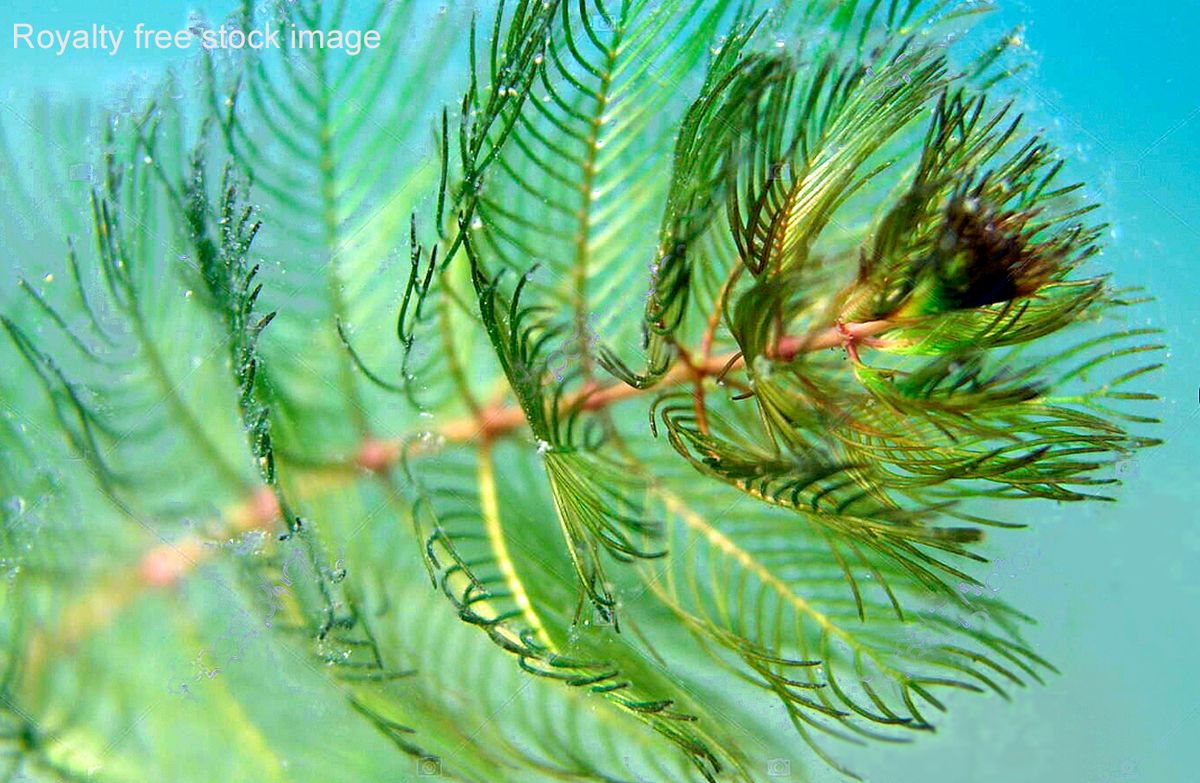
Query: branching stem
167, 564
496, 422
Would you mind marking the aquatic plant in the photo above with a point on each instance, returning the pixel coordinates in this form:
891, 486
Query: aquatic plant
584, 390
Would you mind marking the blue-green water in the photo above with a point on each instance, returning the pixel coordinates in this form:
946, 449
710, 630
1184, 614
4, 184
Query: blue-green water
1115, 587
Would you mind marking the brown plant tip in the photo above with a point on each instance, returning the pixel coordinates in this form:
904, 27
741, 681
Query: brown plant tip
1000, 251
985, 257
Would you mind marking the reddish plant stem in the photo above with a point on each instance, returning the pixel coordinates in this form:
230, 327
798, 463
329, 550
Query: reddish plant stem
497, 421
165, 565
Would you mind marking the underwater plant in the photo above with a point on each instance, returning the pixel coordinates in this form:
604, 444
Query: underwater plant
597, 390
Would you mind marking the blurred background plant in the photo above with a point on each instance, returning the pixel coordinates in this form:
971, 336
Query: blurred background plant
327, 330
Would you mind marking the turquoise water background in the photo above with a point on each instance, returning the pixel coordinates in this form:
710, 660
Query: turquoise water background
1116, 588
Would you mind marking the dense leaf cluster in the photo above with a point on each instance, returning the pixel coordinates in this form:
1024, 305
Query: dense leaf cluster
685, 348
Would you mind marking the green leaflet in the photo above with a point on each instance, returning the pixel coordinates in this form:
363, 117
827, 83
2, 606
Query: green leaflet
506, 579
339, 160
816, 622
593, 498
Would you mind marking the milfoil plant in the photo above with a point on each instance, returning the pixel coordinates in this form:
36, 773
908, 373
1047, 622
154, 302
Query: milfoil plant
601, 390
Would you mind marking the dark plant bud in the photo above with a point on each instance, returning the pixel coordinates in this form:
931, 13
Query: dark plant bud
981, 257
